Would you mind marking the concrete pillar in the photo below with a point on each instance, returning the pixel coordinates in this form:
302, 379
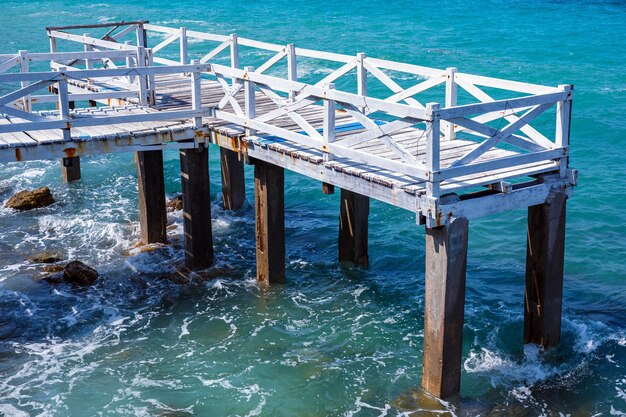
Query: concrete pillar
446, 259
269, 201
353, 227
70, 168
151, 185
233, 181
194, 172
545, 254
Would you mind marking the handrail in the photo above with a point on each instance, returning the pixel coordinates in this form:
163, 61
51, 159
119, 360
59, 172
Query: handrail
97, 25
67, 120
441, 122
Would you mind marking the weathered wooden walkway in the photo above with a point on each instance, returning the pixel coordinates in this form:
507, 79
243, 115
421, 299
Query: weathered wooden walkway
474, 154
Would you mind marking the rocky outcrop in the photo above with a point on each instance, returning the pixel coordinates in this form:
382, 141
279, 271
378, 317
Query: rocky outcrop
28, 200
46, 257
78, 273
175, 203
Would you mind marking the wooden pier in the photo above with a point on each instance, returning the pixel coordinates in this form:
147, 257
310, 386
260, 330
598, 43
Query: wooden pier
445, 145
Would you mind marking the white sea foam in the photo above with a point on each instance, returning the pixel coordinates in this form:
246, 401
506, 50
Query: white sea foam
503, 369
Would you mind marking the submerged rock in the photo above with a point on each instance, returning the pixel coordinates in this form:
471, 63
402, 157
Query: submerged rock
77, 272
27, 200
46, 257
175, 203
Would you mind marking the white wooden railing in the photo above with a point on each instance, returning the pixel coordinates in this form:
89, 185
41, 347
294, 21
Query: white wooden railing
65, 119
488, 122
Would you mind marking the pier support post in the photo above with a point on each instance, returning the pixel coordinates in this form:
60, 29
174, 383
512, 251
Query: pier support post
70, 168
545, 252
151, 186
269, 202
353, 224
233, 181
194, 171
446, 259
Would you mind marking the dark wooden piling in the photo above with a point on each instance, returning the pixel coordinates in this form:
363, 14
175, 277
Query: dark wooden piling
70, 168
353, 228
151, 186
269, 201
233, 181
545, 254
446, 259
327, 188
194, 171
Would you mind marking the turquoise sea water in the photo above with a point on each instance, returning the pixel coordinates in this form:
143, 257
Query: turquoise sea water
333, 341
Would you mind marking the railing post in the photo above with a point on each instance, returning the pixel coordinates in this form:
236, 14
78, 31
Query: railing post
151, 93
142, 38
329, 123
64, 102
563, 119
142, 80
53, 44
87, 48
196, 94
234, 53
451, 99
23, 57
432, 149
292, 68
361, 77
250, 100
184, 57
130, 63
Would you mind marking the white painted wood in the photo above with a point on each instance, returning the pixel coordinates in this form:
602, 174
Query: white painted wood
507, 84
250, 101
391, 84
64, 104
501, 105
330, 110
141, 36
416, 89
196, 95
167, 41
451, 99
234, 52
91, 41
216, 51
271, 62
23, 58
9, 62
335, 75
184, 53
510, 116
433, 150
407, 68
562, 131
501, 135
128, 29
292, 66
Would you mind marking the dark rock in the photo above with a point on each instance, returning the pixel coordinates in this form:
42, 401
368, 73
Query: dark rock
175, 203
46, 257
53, 268
56, 278
27, 200
77, 272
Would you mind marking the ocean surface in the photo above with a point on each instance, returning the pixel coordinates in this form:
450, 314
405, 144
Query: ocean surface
335, 340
